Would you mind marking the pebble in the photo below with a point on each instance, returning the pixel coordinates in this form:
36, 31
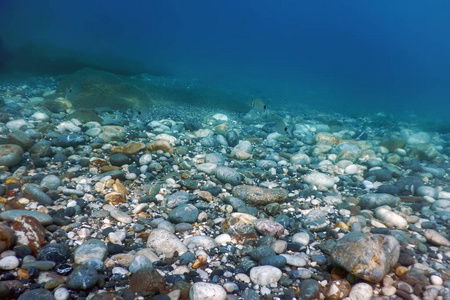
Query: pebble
320, 180
228, 175
90, 249
390, 218
82, 278
33, 192
207, 291
301, 238
140, 262
165, 243
9, 263
375, 200
361, 291
265, 275
184, 213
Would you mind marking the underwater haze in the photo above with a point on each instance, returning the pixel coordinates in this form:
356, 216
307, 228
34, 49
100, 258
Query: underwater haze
349, 56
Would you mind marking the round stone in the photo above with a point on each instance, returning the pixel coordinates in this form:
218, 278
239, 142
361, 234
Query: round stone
207, 291
9, 263
265, 275
50, 182
228, 175
92, 248
55, 252
82, 278
259, 196
185, 213
10, 155
164, 242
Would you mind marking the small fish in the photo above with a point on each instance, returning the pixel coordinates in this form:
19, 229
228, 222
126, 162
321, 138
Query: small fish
281, 127
73, 90
259, 105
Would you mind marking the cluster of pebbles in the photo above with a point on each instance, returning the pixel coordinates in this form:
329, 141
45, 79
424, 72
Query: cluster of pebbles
191, 203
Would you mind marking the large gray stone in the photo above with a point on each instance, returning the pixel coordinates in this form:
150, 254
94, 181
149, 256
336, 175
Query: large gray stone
164, 242
10, 155
228, 175
11, 215
374, 200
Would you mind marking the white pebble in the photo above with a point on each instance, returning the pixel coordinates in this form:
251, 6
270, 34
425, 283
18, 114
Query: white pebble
222, 239
207, 291
265, 275
436, 280
301, 238
9, 263
61, 293
361, 291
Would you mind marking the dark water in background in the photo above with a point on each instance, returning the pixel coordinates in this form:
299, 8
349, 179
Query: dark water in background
352, 56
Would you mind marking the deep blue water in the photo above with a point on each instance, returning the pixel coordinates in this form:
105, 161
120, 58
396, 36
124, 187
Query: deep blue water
354, 56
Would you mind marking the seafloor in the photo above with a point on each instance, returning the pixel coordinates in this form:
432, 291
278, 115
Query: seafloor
140, 188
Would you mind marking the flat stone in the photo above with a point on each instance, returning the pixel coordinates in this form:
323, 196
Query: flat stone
9, 263
207, 291
375, 200
92, 248
178, 198
320, 180
7, 238
164, 242
366, 256
436, 238
265, 275
259, 196
294, 260
121, 216
37, 294
228, 175
184, 213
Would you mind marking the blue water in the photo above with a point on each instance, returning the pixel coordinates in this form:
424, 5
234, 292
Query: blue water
351, 56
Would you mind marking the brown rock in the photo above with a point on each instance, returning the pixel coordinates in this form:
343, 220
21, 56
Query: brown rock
129, 148
147, 282
259, 196
269, 228
7, 238
338, 289
114, 198
436, 238
416, 279
162, 145
29, 232
240, 226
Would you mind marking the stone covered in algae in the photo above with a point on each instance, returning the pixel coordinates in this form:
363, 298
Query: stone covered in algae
259, 196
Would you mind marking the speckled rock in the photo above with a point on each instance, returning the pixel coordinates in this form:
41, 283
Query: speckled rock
259, 196
112, 133
269, 228
29, 232
367, 256
184, 213
164, 242
361, 291
178, 198
207, 291
92, 248
436, 238
82, 278
320, 180
390, 218
200, 241
265, 275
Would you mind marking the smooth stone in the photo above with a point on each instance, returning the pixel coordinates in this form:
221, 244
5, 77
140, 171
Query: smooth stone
139, 262
200, 241
294, 260
33, 192
39, 264
29, 232
441, 205
7, 238
301, 238
165, 243
315, 220
71, 140
208, 168
178, 198
320, 180
119, 159
260, 252
82, 278
427, 191
228, 175
51, 182
232, 138
390, 218
184, 213
375, 200
265, 275
9, 263
278, 261
366, 256
436, 238
259, 196
90, 249
121, 216
207, 291
300, 273
243, 146
361, 291
10, 155
61, 293
408, 185
338, 289
222, 239
269, 228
